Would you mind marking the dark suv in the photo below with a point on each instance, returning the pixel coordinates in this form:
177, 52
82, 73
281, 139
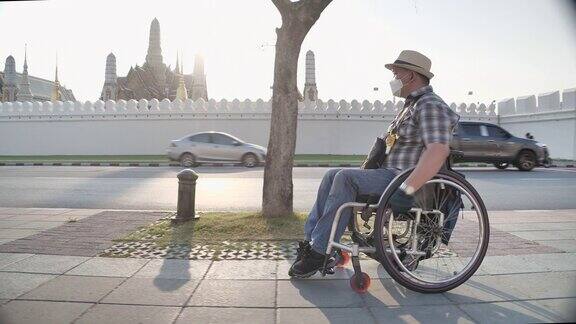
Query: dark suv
485, 142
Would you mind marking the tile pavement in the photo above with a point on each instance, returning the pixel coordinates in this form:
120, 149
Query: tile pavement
521, 288
19, 223
88, 234
141, 293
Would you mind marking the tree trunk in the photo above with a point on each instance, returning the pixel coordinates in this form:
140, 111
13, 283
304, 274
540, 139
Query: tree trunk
278, 188
297, 19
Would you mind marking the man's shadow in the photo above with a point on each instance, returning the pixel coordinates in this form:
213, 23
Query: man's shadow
331, 297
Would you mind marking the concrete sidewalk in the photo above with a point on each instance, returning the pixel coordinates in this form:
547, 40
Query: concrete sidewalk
536, 283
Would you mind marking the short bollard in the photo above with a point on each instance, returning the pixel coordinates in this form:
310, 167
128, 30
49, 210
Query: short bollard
186, 196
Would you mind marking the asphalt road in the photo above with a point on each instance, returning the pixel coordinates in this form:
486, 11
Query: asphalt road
237, 188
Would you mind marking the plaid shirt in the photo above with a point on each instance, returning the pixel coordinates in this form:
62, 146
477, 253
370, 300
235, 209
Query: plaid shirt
428, 120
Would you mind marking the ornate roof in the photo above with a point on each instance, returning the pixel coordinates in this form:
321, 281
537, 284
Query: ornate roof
155, 79
42, 89
147, 83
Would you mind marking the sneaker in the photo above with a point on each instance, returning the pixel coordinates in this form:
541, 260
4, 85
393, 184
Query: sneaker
303, 247
308, 265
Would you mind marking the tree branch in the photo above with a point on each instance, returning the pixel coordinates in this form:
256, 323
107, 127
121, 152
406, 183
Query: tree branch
319, 4
309, 11
282, 5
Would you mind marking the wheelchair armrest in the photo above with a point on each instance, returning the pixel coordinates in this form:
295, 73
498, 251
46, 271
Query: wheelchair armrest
368, 199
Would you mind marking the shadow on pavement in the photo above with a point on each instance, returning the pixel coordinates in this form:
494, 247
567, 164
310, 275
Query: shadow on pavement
500, 314
175, 248
398, 304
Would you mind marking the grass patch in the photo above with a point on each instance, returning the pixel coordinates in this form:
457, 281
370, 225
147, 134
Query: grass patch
214, 228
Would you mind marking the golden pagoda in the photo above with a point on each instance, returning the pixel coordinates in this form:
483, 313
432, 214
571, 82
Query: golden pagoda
56, 89
181, 92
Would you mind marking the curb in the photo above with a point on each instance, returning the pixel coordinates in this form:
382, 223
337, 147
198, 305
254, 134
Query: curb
172, 164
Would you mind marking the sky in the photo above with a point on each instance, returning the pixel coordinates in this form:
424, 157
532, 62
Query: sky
497, 49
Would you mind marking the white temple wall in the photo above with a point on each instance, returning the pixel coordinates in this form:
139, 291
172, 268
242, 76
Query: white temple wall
332, 127
136, 137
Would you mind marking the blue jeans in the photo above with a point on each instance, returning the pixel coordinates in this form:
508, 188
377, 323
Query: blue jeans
340, 186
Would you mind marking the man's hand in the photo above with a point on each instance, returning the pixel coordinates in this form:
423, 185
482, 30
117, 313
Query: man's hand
401, 202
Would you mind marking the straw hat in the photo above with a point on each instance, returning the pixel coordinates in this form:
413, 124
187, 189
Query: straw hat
413, 61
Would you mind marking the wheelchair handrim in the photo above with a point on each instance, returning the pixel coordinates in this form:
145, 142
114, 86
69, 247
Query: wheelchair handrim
473, 259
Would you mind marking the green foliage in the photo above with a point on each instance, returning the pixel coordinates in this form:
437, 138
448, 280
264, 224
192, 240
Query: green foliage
216, 227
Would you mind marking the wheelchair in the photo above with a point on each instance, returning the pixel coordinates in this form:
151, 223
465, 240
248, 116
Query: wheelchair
436, 247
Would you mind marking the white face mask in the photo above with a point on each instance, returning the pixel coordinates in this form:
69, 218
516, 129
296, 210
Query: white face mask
396, 85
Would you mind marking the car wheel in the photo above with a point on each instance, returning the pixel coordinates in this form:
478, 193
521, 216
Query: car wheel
249, 160
501, 165
526, 161
188, 160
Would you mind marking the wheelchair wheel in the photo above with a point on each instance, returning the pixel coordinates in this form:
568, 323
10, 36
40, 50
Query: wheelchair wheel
443, 239
360, 282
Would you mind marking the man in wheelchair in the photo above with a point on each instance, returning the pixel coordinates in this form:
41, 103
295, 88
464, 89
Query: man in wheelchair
419, 137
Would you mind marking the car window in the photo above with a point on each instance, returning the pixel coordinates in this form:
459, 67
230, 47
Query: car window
494, 131
222, 139
483, 130
470, 129
200, 138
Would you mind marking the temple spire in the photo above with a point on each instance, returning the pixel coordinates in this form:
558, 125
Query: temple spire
310, 89
56, 74
181, 92
10, 87
110, 89
154, 57
24, 93
177, 69
26, 59
56, 89
199, 88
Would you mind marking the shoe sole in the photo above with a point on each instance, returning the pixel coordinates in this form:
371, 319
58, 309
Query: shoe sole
291, 273
331, 264
302, 276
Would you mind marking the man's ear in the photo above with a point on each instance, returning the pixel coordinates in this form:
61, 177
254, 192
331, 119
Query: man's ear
415, 76
411, 77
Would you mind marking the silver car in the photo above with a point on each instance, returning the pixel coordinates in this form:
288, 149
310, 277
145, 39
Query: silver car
194, 149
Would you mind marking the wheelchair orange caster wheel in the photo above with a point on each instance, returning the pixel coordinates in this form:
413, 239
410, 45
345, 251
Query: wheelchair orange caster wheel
360, 285
344, 258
